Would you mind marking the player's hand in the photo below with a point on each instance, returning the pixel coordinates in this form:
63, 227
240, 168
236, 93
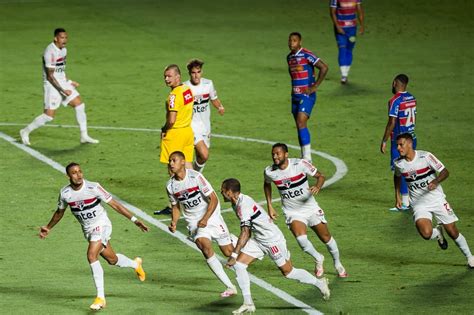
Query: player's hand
221, 110
74, 83
202, 223
383, 146
398, 203
67, 92
433, 184
163, 135
361, 29
340, 30
310, 90
142, 226
272, 213
172, 227
314, 190
230, 262
44, 231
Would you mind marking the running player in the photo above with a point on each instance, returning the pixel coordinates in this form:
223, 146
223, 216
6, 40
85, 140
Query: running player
203, 91
401, 119
300, 208
259, 236
424, 173
301, 64
58, 90
84, 198
189, 190
344, 15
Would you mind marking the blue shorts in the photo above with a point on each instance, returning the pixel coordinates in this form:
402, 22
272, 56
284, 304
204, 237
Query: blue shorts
302, 103
394, 152
343, 39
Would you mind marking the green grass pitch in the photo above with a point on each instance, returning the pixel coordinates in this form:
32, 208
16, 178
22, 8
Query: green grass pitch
117, 51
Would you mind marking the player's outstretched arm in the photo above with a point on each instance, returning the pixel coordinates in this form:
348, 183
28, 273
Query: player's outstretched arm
243, 239
117, 206
210, 210
320, 179
267, 189
174, 218
57, 216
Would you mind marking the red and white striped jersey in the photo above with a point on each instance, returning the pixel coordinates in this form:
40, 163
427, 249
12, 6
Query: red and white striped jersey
418, 173
292, 184
85, 203
203, 93
251, 214
191, 193
55, 58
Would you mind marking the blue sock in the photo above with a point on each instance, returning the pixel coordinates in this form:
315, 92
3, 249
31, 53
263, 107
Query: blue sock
303, 136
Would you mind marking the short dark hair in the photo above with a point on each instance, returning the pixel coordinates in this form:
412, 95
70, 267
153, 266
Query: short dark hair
71, 165
194, 63
283, 146
231, 184
402, 78
173, 66
298, 34
178, 153
59, 30
406, 136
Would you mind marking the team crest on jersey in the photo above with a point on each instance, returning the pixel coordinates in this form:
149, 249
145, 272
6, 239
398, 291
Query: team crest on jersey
412, 174
80, 204
286, 182
171, 101
185, 194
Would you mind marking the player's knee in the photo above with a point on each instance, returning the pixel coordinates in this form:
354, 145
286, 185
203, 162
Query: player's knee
452, 231
227, 250
426, 234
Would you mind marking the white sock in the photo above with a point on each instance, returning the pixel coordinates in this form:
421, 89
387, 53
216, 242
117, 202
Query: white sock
198, 167
243, 280
81, 118
308, 248
98, 275
39, 121
332, 247
125, 262
345, 70
434, 234
304, 276
306, 152
406, 200
462, 244
218, 270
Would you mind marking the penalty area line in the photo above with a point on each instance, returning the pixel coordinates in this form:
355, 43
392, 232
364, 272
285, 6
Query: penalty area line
180, 236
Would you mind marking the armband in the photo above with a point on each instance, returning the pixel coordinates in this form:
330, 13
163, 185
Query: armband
133, 219
234, 255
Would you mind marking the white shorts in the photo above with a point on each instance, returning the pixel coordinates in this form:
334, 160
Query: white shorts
310, 218
277, 251
216, 230
201, 133
442, 211
101, 232
53, 99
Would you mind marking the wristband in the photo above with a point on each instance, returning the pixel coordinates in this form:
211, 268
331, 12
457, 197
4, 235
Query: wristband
234, 255
133, 219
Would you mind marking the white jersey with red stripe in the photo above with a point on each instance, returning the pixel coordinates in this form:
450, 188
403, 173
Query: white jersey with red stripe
251, 214
55, 58
85, 204
292, 184
203, 93
418, 173
192, 195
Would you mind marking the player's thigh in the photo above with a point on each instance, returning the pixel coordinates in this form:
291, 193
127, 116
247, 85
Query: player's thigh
93, 250
443, 213
253, 250
297, 226
52, 98
176, 140
341, 40
202, 150
278, 252
205, 246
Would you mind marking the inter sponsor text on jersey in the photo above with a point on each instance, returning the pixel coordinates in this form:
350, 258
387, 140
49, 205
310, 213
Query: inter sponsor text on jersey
191, 193
85, 203
301, 69
250, 214
292, 184
418, 173
180, 100
55, 58
402, 106
346, 12
203, 93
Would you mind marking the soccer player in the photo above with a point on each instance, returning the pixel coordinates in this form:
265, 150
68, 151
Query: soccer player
401, 119
301, 64
84, 198
344, 15
58, 90
203, 91
189, 190
424, 173
300, 208
259, 236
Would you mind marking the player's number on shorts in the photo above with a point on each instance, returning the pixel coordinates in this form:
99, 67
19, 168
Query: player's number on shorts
410, 113
448, 207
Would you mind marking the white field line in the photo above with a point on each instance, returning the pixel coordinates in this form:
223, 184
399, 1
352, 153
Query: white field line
261, 283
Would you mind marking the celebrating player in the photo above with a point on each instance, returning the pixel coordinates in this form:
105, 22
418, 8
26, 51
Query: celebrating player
203, 91
301, 64
401, 119
58, 90
259, 236
343, 14
189, 190
424, 173
300, 208
84, 198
